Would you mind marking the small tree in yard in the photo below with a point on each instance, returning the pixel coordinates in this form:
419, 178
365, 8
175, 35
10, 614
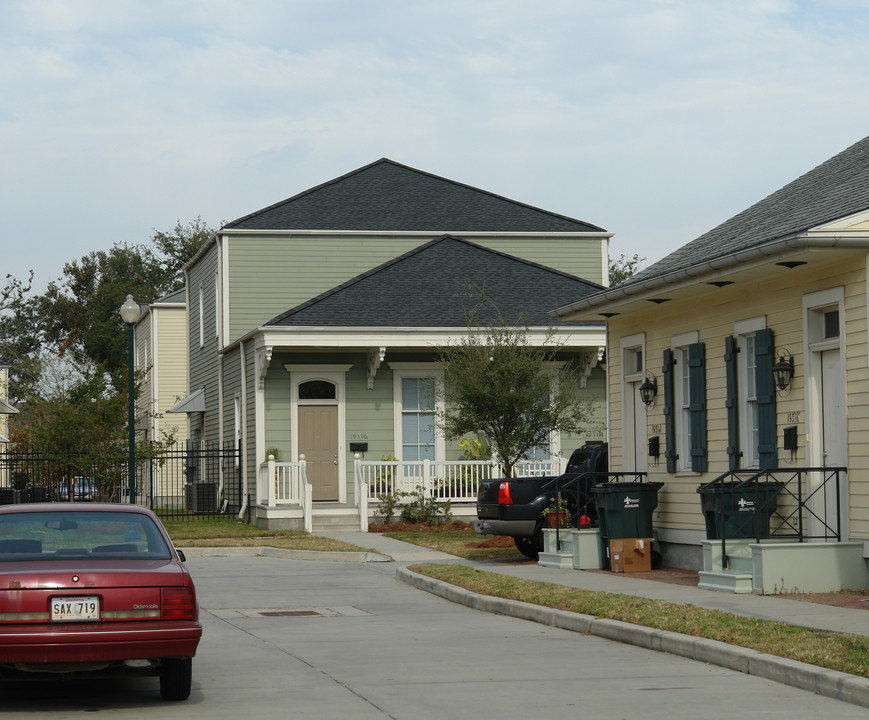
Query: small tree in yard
498, 384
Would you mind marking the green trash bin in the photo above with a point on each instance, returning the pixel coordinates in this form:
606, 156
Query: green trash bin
731, 511
624, 510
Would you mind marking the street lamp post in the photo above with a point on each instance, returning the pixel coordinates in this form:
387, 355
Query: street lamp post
130, 314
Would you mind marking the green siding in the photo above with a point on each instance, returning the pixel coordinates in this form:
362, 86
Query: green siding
270, 275
276, 395
204, 360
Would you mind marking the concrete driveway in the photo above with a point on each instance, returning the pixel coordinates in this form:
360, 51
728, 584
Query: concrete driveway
309, 639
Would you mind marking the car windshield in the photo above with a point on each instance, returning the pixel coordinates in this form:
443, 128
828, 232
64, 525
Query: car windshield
60, 534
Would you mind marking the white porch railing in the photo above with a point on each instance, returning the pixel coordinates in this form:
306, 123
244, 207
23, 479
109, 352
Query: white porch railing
285, 483
453, 480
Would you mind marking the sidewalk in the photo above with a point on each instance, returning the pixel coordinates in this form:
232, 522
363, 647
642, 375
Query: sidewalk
768, 607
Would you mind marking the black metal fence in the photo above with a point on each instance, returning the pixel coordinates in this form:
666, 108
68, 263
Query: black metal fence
201, 479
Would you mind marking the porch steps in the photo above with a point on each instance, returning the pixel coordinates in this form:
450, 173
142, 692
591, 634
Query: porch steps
726, 581
330, 517
737, 577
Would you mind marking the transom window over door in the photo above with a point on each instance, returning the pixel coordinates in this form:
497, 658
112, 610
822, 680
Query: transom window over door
317, 390
418, 418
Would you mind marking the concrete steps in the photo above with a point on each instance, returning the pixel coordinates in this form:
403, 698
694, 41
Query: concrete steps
330, 517
726, 581
738, 574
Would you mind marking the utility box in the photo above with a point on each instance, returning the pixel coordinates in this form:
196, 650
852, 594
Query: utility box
631, 555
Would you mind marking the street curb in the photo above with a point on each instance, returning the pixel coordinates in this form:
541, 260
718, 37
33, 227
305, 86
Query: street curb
829, 683
285, 553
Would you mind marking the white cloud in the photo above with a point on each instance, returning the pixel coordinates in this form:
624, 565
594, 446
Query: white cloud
655, 119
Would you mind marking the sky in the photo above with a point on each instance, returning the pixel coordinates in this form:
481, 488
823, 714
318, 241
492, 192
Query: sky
654, 119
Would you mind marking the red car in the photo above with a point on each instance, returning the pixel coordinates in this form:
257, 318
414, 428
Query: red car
95, 588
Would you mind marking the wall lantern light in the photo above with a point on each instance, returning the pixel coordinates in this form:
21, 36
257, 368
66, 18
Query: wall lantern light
649, 389
783, 370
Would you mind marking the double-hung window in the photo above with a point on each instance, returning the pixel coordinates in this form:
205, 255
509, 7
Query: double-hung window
684, 374
417, 418
418, 400
751, 422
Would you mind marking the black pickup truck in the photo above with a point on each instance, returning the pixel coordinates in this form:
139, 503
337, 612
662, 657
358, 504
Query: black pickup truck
513, 506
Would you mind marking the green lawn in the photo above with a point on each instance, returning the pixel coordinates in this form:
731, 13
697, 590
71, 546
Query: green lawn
836, 651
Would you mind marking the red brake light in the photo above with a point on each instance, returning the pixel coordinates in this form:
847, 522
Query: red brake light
504, 497
179, 603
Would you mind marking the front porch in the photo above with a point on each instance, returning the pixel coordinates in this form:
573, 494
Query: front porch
284, 496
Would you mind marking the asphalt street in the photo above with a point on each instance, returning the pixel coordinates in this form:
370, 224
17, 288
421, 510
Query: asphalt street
297, 639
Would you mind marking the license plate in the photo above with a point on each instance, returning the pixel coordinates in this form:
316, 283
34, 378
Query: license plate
75, 609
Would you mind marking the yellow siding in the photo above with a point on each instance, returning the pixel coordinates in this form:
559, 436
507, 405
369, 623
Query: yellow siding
713, 316
172, 359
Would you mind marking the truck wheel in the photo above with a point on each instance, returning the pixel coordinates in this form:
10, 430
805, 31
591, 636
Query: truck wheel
529, 547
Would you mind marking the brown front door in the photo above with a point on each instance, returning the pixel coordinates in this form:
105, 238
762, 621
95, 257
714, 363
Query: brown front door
318, 442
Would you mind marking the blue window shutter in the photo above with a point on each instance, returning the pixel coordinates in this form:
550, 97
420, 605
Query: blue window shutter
697, 406
764, 353
732, 401
669, 414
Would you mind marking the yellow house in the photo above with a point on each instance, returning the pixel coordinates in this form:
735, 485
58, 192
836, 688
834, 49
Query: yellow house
782, 286
160, 361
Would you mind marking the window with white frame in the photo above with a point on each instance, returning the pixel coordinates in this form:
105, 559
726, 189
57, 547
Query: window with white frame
236, 422
685, 404
683, 408
216, 306
418, 400
745, 332
201, 316
418, 418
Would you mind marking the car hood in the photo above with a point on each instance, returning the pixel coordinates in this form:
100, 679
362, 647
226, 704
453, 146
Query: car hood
56, 574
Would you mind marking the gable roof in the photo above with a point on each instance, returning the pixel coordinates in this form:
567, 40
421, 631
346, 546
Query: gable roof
388, 196
429, 287
835, 189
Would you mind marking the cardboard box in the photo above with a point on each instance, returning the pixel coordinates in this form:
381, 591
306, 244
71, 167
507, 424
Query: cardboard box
631, 555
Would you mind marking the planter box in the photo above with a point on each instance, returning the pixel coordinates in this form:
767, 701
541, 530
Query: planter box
552, 556
586, 549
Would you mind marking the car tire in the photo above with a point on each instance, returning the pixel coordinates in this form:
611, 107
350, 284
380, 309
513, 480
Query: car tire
530, 547
176, 676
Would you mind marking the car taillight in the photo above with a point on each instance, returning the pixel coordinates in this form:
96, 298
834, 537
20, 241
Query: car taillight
504, 497
178, 604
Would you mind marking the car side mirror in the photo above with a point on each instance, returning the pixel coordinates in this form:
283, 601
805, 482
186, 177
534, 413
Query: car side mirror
181, 556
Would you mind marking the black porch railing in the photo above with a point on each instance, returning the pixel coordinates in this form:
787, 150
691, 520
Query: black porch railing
183, 480
800, 504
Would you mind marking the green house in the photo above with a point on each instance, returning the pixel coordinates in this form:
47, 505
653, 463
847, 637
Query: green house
314, 323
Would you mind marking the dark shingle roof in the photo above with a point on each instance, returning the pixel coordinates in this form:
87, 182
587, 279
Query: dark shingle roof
429, 287
835, 189
176, 296
392, 197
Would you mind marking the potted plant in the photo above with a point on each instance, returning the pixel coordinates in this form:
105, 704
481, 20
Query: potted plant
557, 513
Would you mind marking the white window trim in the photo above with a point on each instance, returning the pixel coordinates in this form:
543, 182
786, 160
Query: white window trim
201, 316
236, 407
741, 329
335, 374
401, 370
816, 303
629, 382
216, 305
677, 343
